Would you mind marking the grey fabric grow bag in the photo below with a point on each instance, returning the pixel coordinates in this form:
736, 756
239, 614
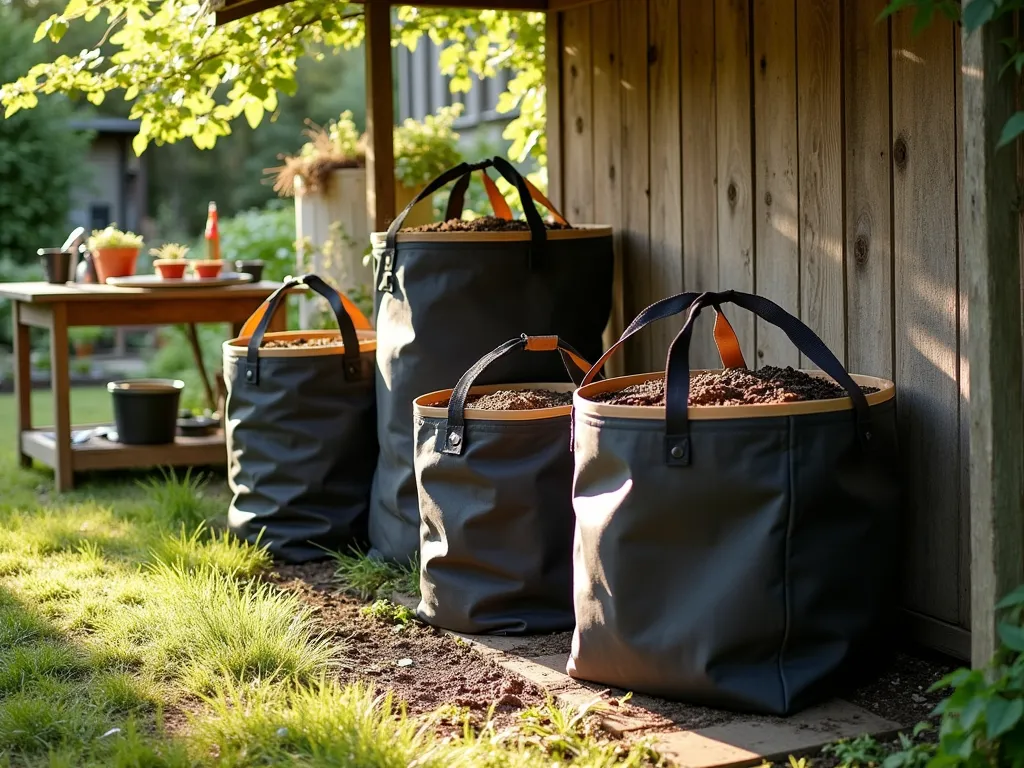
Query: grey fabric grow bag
738, 557
443, 299
495, 493
301, 434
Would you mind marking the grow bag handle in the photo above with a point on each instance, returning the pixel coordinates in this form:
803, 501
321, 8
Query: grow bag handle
677, 372
457, 200
453, 434
261, 318
538, 232
725, 337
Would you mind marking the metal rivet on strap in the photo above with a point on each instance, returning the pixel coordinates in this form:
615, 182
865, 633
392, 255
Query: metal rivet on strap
248, 375
677, 451
454, 440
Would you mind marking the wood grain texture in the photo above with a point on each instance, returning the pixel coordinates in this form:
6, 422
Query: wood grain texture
820, 147
868, 178
604, 25
990, 241
60, 378
22, 377
964, 594
380, 117
735, 162
926, 366
775, 155
699, 157
553, 97
666, 169
577, 128
636, 210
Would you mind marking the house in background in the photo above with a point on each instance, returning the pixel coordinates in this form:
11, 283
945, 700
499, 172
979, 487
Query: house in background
112, 189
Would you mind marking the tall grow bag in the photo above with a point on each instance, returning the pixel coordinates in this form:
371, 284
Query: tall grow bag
301, 430
495, 494
445, 298
733, 556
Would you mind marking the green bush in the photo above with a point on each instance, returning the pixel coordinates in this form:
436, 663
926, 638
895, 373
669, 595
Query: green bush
11, 272
261, 233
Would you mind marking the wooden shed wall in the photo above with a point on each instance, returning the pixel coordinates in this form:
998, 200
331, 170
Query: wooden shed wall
804, 151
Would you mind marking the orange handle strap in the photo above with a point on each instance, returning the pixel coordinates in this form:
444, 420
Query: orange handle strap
551, 344
358, 318
727, 343
543, 200
498, 203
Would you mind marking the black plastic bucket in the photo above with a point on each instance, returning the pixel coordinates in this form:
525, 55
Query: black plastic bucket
146, 410
56, 265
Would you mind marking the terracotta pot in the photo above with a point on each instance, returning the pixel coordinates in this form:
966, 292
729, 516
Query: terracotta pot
114, 262
170, 269
84, 348
206, 270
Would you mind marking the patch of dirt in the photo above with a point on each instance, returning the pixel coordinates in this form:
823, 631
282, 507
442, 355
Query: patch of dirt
443, 671
301, 341
735, 386
518, 400
483, 224
901, 692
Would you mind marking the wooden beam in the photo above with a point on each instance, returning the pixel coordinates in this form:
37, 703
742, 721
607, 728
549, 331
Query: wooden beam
989, 238
380, 117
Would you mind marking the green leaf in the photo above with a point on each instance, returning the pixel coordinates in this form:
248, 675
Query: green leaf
254, 113
1012, 636
978, 12
139, 143
1002, 715
1014, 598
974, 709
1014, 127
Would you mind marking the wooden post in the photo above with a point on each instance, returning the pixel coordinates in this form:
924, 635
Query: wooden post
61, 388
989, 238
380, 116
22, 378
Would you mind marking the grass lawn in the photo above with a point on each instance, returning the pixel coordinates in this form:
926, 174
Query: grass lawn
134, 633
88, 405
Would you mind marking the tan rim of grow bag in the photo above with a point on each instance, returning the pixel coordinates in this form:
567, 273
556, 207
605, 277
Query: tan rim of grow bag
426, 406
578, 232
583, 405
238, 347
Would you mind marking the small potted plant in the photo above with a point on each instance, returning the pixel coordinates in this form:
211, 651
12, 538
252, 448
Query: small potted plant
84, 340
171, 261
114, 253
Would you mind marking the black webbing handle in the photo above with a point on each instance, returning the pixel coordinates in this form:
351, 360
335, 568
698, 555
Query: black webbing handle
453, 437
352, 368
677, 374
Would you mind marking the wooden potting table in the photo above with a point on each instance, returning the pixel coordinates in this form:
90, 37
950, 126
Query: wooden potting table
60, 307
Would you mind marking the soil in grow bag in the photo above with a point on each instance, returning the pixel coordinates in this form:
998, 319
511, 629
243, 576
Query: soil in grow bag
304, 343
735, 386
483, 224
517, 400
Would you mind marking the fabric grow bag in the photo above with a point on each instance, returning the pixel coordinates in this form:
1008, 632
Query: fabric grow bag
301, 431
495, 494
738, 557
443, 299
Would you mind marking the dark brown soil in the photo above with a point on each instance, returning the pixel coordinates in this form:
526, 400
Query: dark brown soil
301, 342
443, 670
483, 224
735, 386
519, 400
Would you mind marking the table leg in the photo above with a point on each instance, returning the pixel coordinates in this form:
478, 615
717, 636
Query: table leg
22, 378
61, 388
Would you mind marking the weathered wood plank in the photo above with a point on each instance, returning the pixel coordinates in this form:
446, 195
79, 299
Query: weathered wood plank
820, 147
868, 203
666, 168
578, 122
699, 156
924, 228
990, 240
775, 155
380, 118
604, 25
553, 96
964, 594
735, 163
635, 175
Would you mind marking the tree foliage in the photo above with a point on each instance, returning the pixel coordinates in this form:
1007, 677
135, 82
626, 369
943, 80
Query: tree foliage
39, 157
187, 78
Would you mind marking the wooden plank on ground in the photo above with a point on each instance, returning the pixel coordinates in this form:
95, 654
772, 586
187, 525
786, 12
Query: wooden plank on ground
604, 27
577, 126
735, 181
924, 228
666, 167
868, 202
775, 155
635, 176
699, 156
990, 240
820, 147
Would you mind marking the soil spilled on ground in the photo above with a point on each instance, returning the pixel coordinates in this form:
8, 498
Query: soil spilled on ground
423, 666
735, 386
483, 224
518, 400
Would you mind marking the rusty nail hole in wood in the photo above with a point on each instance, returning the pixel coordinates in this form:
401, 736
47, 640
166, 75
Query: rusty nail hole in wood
611, 172
731, 192
573, 71
579, 125
767, 198
899, 152
860, 250
652, 54
764, 64
760, 353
